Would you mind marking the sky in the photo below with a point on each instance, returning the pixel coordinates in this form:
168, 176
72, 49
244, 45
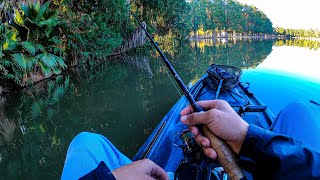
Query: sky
290, 13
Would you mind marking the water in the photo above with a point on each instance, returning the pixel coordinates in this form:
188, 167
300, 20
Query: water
288, 74
125, 99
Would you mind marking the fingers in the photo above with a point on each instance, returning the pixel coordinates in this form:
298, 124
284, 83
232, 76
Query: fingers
155, 171
209, 152
206, 105
200, 139
199, 118
203, 142
195, 131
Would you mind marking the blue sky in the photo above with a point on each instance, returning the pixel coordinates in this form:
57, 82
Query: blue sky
290, 13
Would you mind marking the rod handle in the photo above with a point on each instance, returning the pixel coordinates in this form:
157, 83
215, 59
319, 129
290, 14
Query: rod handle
226, 156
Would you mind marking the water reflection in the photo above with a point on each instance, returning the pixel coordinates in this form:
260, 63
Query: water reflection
7, 128
140, 63
123, 99
288, 74
306, 43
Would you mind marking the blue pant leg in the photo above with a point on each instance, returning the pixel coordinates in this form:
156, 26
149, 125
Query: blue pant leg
300, 120
86, 151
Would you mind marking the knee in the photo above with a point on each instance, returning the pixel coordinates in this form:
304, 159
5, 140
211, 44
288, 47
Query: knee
298, 111
298, 107
85, 139
292, 107
84, 136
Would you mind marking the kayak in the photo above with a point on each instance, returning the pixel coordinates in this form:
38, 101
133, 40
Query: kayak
164, 145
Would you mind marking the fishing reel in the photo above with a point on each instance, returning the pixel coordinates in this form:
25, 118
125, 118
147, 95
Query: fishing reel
195, 165
191, 150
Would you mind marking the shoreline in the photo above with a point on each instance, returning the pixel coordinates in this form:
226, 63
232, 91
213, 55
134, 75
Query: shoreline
251, 37
235, 37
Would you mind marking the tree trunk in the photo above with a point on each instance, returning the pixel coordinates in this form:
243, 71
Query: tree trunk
213, 33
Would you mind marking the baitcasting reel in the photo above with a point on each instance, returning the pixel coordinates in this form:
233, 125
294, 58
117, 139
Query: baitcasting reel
195, 165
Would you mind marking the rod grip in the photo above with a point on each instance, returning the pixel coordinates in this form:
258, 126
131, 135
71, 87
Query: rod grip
226, 156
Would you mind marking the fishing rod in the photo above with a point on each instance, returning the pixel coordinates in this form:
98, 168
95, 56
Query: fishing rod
225, 155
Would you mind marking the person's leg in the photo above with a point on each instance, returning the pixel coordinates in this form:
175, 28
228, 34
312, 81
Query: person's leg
86, 151
300, 120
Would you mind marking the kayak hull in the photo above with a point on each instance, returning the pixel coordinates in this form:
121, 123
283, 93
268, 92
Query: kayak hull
162, 144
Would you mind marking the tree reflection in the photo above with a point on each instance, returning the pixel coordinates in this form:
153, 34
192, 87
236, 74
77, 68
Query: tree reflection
7, 128
306, 43
192, 59
118, 99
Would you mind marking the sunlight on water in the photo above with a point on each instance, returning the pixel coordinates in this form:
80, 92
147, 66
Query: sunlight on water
296, 61
288, 74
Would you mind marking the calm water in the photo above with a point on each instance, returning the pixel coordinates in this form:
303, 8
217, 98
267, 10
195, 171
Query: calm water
125, 99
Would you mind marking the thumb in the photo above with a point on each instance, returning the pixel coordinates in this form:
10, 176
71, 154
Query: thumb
196, 118
153, 170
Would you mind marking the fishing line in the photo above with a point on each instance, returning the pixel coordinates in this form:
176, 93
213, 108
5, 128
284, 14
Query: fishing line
174, 84
170, 77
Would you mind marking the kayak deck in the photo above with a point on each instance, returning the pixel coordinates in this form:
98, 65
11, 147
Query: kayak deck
162, 145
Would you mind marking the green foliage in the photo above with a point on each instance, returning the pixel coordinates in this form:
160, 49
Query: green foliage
304, 33
32, 45
44, 106
7, 42
95, 28
42, 39
163, 17
228, 16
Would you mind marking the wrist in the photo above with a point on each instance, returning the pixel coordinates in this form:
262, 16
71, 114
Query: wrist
243, 130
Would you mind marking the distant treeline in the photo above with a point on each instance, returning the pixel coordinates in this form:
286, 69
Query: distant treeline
222, 17
303, 33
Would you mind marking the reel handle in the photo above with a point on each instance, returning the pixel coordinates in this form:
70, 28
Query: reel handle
225, 155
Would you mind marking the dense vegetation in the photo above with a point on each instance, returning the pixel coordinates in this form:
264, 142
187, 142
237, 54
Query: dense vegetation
303, 33
40, 38
227, 16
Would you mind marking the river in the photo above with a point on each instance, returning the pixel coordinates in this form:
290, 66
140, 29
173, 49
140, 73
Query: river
125, 98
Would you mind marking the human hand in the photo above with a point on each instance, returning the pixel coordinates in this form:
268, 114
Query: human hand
221, 119
143, 169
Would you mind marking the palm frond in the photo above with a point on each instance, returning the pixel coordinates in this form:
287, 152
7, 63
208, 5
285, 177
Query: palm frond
2, 28
56, 40
51, 87
5, 63
58, 94
43, 10
23, 62
56, 70
45, 70
48, 59
40, 47
38, 107
53, 21
30, 47
58, 51
51, 60
3, 70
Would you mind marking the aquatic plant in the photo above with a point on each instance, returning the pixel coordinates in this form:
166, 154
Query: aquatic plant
31, 45
7, 128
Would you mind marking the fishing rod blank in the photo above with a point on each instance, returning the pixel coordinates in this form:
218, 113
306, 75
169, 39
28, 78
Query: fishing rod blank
225, 154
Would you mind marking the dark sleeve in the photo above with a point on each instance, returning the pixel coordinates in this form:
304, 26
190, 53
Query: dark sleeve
102, 172
279, 157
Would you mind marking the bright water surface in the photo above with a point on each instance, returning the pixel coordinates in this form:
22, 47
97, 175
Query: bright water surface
126, 98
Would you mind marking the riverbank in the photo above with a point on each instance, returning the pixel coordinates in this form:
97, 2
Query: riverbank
236, 37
